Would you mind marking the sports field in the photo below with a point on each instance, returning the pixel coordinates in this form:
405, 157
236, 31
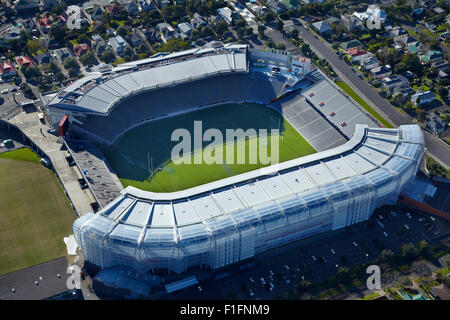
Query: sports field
35, 214
147, 149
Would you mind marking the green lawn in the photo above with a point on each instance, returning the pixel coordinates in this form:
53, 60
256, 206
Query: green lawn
429, 33
23, 154
344, 86
132, 158
35, 214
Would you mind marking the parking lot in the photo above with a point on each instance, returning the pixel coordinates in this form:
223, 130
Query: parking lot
9, 94
279, 271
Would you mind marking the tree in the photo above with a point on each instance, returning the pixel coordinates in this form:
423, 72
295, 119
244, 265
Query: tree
221, 27
408, 251
280, 25
269, 16
294, 34
174, 45
121, 31
443, 92
387, 256
108, 56
70, 63
261, 29
280, 46
58, 32
33, 46
421, 115
423, 248
72, 73
88, 58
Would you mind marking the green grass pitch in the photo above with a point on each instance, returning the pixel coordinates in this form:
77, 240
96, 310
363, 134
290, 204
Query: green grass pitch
149, 147
35, 214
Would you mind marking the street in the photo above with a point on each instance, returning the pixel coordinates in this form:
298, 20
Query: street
435, 147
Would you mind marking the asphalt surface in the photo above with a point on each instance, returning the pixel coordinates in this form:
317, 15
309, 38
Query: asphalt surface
438, 149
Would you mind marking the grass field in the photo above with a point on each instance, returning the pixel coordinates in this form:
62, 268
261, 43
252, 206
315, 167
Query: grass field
35, 214
344, 86
149, 146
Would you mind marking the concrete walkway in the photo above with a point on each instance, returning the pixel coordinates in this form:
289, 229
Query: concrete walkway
29, 123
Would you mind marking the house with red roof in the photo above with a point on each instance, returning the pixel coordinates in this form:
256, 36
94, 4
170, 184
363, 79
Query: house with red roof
114, 9
80, 49
44, 22
24, 61
62, 18
7, 69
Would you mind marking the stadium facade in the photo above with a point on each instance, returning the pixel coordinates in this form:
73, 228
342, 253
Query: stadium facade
230, 220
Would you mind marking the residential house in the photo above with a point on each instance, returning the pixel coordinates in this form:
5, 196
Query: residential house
370, 63
431, 55
99, 46
445, 36
135, 39
227, 14
440, 292
29, 26
146, 5
381, 72
276, 6
7, 70
114, 9
350, 23
163, 3
48, 4
12, 33
152, 35
417, 12
421, 98
197, 21
95, 13
354, 45
61, 19
25, 6
118, 44
44, 23
24, 61
80, 49
398, 32
49, 43
359, 55
441, 65
185, 29
435, 124
166, 30
406, 41
322, 27
62, 54
394, 81
442, 75
43, 58
131, 8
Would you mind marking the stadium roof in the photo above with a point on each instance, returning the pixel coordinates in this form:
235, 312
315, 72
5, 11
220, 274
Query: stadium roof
369, 157
99, 92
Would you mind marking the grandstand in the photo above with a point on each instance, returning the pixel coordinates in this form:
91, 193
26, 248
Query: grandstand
221, 223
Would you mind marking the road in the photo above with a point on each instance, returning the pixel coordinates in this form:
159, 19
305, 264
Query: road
435, 147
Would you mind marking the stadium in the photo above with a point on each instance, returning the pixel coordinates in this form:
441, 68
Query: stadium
357, 168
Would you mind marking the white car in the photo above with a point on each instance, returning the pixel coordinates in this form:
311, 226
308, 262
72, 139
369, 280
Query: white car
332, 251
314, 258
355, 244
385, 234
380, 216
406, 226
432, 218
5, 91
393, 214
